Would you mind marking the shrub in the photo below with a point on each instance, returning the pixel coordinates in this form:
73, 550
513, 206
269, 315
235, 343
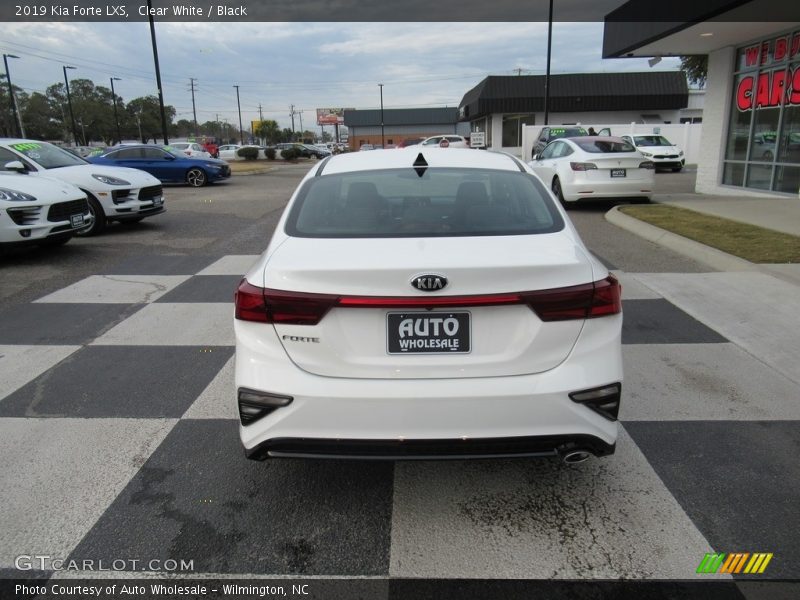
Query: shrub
248, 152
270, 153
290, 153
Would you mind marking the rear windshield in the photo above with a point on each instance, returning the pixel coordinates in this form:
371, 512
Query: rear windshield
604, 146
440, 203
652, 140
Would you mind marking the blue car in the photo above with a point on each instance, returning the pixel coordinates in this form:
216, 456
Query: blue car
165, 163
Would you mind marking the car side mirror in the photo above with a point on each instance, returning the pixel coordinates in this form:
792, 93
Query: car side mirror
535, 157
16, 165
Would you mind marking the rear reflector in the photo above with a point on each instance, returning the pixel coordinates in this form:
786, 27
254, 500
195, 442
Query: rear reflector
582, 166
603, 400
584, 301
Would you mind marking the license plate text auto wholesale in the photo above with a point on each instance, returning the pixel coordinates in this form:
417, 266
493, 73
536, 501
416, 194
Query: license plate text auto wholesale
76, 220
428, 332
618, 173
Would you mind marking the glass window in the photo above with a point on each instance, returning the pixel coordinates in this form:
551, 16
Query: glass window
759, 176
549, 151
789, 148
733, 174
739, 129
598, 146
787, 179
512, 128
128, 153
154, 154
650, 140
6, 156
443, 202
48, 155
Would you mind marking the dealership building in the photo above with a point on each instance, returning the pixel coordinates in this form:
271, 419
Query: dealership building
750, 142
400, 124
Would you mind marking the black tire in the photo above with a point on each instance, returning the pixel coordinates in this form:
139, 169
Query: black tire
55, 241
196, 177
559, 194
99, 222
642, 200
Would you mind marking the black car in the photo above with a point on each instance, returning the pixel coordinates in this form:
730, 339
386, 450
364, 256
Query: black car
548, 134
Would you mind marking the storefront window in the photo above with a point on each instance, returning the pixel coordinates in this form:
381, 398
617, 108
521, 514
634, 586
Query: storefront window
512, 128
762, 150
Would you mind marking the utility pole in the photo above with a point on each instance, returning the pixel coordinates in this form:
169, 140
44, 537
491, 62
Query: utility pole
292, 115
194, 109
383, 142
239, 105
547, 74
69, 103
158, 72
300, 112
17, 116
114, 98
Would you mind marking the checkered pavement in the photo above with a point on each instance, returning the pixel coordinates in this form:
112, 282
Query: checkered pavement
118, 439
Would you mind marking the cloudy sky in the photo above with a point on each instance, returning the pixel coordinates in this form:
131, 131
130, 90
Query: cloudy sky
310, 65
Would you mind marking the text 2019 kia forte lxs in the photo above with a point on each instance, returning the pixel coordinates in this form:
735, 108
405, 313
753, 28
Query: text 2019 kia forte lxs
427, 304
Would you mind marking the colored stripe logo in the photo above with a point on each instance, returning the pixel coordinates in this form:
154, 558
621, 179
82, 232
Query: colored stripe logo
735, 563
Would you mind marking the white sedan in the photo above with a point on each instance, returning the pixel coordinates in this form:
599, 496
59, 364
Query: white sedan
444, 141
191, 149
39, 210
592, 167
114, 193
433, 303
663, 153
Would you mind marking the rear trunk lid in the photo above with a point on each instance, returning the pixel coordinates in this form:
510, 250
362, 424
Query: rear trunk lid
392, 341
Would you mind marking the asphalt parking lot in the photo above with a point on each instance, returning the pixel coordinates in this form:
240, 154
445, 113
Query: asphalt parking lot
118, 428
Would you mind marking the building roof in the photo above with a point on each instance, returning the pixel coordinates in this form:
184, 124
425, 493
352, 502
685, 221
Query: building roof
576, 92
401, 116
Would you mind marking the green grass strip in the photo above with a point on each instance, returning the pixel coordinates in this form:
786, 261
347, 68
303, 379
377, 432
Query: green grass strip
750, 242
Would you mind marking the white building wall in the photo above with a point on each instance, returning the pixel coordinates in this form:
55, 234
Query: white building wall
719, 91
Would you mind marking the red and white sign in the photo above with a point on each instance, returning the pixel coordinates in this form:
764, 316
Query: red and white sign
770, 89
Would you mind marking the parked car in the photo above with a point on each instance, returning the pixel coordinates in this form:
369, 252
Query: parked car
410, 142
40, 211
663, 153
548, 134
591, 168
190, 149
167, 164
315, 152
231, 151
403, 310
212, 148
114, 193
365, 147
445, 141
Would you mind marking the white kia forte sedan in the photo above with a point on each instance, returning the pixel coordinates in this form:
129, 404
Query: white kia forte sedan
592, 167
427, 303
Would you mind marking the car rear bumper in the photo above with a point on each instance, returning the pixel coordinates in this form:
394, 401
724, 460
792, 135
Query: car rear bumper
439, 449
522, 415
617, 188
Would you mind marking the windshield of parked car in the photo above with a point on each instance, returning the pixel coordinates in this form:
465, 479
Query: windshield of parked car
48, 155
444, 202
652, 140
556, 133
601, 146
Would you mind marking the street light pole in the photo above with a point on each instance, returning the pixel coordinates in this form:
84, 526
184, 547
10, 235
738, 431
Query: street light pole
69, 104
239, 106
17, 116
383, 143
114, 98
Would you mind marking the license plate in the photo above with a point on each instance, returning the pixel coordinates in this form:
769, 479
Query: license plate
618, 172
158, 201
76, 220
428, 333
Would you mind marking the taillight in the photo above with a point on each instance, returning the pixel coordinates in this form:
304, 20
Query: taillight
581, 166
249, 302
584, 301
648, 164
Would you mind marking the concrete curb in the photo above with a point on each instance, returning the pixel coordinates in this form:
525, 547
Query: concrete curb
716, 259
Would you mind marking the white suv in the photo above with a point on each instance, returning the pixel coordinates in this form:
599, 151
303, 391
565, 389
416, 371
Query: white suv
444, 141
114, 193
40, 210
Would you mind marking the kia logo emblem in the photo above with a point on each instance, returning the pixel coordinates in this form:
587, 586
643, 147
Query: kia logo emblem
429, 282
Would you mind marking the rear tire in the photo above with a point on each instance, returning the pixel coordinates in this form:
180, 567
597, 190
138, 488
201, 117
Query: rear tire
99, 222
560, 194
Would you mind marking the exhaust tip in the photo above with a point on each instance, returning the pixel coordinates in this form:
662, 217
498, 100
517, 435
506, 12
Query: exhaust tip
574, 457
